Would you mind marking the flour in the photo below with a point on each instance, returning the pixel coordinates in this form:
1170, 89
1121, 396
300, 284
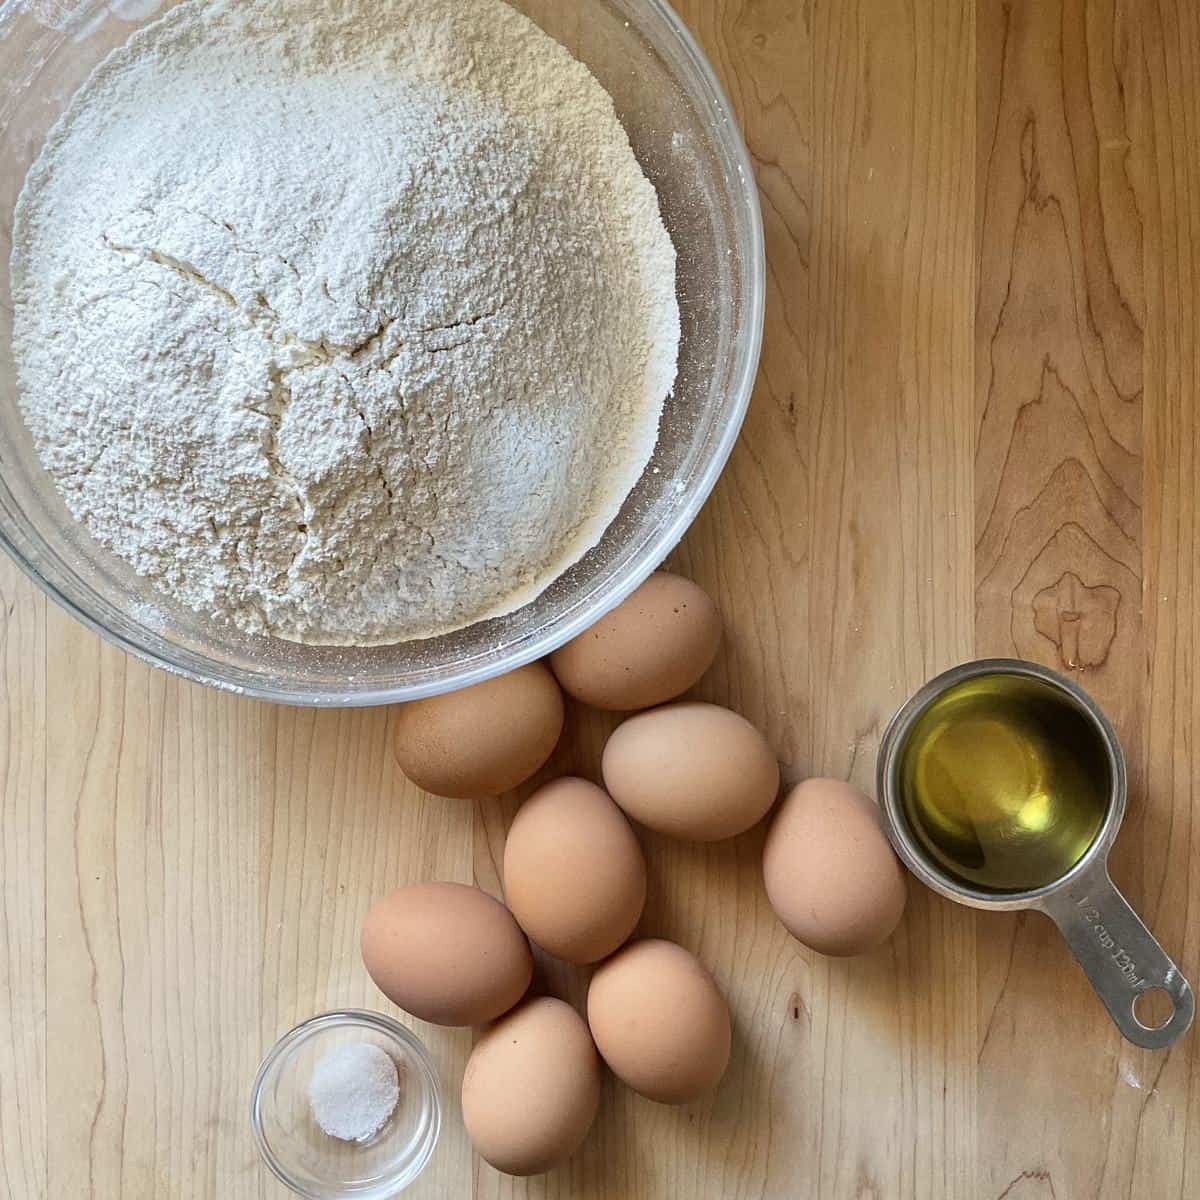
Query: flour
348, 321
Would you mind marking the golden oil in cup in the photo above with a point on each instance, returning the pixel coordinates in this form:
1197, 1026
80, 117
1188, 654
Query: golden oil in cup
1004, 782
1002, 786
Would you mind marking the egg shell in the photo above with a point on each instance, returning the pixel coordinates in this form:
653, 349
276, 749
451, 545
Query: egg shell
659, 1021
531, 1087
831, 875
483, 739
446, 953
651, 648
574, 874
691, 770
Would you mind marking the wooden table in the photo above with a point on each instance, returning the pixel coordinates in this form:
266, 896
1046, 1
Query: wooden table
975, 431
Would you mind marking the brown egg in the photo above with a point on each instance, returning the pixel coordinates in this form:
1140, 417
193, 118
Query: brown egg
691, 770
659, 1021
446, 953
483, 739
652, 647
574, 875
531, 1089
830, 873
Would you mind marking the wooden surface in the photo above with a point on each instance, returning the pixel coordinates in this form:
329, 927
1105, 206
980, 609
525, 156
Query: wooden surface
976, 430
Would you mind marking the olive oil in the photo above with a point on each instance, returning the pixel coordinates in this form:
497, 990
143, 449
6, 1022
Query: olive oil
1004, 782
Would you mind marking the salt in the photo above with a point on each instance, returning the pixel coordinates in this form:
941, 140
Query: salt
353, 1091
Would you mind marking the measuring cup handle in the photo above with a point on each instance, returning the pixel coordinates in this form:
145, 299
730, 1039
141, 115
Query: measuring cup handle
1120, 955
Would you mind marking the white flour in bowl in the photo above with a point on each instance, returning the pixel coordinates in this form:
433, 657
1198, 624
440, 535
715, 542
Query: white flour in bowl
348, 321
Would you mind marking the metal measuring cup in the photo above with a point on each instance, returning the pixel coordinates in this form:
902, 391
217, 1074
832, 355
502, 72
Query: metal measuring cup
1119, 954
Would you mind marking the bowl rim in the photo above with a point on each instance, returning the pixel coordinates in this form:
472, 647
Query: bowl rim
654, 550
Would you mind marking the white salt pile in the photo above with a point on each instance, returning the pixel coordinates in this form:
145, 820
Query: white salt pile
353, 1091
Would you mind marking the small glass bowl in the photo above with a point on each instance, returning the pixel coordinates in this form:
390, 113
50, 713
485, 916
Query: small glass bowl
297, 1149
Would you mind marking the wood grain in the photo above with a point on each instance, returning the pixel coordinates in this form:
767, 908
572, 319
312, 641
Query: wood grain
1161, 1128
975, 430
1058, 505
23, 870
1076, 358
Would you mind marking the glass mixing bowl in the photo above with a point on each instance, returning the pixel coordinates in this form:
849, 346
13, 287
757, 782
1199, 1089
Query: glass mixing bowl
684, 135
